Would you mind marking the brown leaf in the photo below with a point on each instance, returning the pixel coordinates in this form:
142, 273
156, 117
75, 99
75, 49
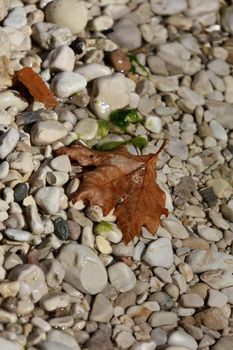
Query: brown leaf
124, 181
36, 86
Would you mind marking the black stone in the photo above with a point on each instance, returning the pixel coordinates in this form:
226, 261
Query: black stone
20, 192
77, 46
61, 229
209, 196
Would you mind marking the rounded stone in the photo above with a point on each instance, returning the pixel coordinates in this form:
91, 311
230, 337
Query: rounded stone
83, 268
120, 61
20, 192
61, 229
66, 84
71, 14
121, 277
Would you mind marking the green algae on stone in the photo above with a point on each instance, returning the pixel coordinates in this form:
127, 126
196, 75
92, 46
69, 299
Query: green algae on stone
122, 117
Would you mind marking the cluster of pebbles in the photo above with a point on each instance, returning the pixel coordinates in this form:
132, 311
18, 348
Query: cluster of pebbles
67, 280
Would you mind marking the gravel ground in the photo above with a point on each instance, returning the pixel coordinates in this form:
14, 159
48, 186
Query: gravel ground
67, 280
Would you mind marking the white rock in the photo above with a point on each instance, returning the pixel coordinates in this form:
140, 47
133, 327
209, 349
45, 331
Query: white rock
47, 132
102, 23
61, 163
19, 40
4, 169
209, 233
216, 299
67, 13
159, 253
194, 97
102, 309
57, 178
108, 94
16, 18
62, 59
175, 228
124, 339
219, 67
5, 46
34, 220
48, 198
206, 260
49, 35
110, 231
62, 338
93, 71
66, 84
103, 245
162, 318
153, 124
121, 277
144, 345
199, 8
218, 131
168, 7
21, 161
181, 338
20, 235
86, 129
8, 142
9, 345
83, 268
55, 301
126, 34
32, 281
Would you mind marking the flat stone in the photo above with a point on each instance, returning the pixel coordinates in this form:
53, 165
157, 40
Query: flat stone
162, 318
204, 260
9, 345
121, 277
209, 233
224, 343
8, 141
62, 338
31, 279
181, 338
60, 59
216, 299
93, 71
178, 148
109, 93
48, 198
47, 132
66, 84
218, 131
212, 318
222, 112
191, 300
126, 34
217, 279
159, 253
102, 309
99, 340
55, 301
219, 67
168, 7
83, 268
16, 18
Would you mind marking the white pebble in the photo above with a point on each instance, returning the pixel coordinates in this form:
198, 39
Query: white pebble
218, 131
159, 253
16, 18
48, 198
86, 129
8, 142
66, 84
181, 338
4, 169
62, 59
103, 245
47, 132
121, 277
93, 71
153, 124
71, 14
57, 178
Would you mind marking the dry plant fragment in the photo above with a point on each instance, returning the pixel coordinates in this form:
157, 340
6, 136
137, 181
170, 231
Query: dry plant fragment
36, 86
122, 181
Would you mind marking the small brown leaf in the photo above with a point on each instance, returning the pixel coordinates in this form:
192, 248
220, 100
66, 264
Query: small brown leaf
124, 181
36, 86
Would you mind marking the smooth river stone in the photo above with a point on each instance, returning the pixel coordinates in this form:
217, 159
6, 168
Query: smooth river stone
205, 260
83, 268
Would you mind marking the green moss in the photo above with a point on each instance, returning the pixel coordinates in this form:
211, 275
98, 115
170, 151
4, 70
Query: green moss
103, 226
103, 128
133, 59
109, 146
139, 142
122, 117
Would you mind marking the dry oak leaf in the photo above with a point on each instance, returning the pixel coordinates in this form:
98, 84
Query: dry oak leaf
36, 86
122, 181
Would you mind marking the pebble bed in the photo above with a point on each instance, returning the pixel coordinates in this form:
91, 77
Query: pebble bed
67, 280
